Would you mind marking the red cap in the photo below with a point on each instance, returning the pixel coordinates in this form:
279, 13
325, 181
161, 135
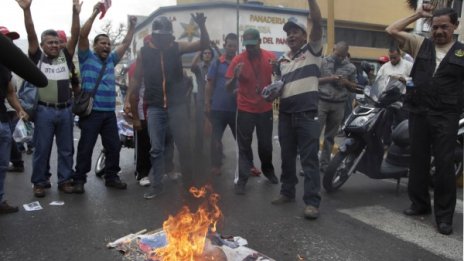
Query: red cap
62, 36
147, 39
384, 59
7, 33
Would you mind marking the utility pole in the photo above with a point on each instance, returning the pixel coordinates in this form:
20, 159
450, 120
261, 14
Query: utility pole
330, 26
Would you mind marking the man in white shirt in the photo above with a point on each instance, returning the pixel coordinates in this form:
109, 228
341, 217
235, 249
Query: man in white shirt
397, 66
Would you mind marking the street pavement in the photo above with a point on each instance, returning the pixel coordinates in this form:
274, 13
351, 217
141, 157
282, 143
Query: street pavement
362, 221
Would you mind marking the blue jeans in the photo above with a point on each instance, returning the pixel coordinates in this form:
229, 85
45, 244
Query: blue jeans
5, 147
51, 122
101, 123
299, 133
159, 120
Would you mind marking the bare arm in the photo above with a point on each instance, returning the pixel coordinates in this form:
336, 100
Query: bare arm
203, 43
134, 89
85, 30
315, 14
396, 30
32, 39
329, 79
75, 28
14, 102
231, 84
128, 38
196, 59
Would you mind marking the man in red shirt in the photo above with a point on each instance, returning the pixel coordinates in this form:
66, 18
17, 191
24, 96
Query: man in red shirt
248, 73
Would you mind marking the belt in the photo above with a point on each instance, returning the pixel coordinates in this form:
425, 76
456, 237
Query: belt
61, 105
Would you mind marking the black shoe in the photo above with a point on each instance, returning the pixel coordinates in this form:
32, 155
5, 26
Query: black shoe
445, 228
6, 209
239, 189
14, 168
39, 191
281, 199
117, 184
414, 212
78, 187
272, 178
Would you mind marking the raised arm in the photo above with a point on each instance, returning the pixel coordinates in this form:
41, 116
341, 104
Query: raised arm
85, 30
32, 39
396, 30
75, 27
315, 15
122, 48
203, 43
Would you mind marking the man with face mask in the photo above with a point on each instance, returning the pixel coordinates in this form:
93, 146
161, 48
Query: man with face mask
434, 104
102, 120
338, 79
165, 96
250, 72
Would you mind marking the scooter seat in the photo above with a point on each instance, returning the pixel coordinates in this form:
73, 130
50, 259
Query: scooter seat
392, 171
400, 135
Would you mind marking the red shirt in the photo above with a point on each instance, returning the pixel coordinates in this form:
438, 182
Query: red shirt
255, 75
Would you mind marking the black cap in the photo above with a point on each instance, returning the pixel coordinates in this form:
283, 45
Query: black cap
161, 25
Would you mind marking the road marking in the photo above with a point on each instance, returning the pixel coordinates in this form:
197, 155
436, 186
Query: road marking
408, 229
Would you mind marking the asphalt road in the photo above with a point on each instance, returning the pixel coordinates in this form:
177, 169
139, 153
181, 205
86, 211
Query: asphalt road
362, 221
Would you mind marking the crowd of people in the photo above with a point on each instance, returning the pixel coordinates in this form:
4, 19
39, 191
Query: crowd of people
316, 96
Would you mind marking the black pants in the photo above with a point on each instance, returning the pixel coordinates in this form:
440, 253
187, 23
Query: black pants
433, 135
246, 123
219, 121
142, 150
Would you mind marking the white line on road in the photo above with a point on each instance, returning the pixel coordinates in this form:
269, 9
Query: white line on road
408, 229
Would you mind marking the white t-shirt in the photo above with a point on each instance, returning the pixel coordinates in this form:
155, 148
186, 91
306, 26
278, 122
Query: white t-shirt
401, 69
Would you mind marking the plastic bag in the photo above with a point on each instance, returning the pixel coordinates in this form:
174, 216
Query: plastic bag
23, 131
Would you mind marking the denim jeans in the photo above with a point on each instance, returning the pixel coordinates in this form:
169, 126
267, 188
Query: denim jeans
5, 143
219, 122
159, 121
246, 123
101, 123
49, 123
299, 133
143, 159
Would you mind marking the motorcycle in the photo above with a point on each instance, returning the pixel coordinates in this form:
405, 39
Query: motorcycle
363, 149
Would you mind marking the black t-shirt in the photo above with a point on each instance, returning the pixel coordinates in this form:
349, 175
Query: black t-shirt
5, 78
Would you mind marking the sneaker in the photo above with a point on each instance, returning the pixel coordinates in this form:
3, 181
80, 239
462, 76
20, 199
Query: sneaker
14, 168
153, 193
39, 191
255, 172
174, 175
6, 209
311, 212
215, 171
117, 184
144, 182
66, 187
239, 189
78, 187
281, 199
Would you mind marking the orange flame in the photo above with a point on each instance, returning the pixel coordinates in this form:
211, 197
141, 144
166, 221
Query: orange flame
186, 231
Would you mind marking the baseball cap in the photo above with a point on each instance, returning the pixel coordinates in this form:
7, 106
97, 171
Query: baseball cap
62, 36
147, 39
251, 37
293, 22
7, 33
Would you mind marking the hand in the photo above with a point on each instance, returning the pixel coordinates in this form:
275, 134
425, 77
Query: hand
199, 18
425, 10
77, 6
127, 107
24, 4
335, 78
23, 115
132, 21
238, 70
96, 8
137, 124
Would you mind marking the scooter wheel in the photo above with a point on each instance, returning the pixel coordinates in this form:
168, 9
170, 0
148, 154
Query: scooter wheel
336, 173
100, 165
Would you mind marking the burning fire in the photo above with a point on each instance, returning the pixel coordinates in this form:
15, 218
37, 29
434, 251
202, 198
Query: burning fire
186, 231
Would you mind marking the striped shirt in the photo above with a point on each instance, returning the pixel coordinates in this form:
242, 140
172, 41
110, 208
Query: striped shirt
300, 74
90, 65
